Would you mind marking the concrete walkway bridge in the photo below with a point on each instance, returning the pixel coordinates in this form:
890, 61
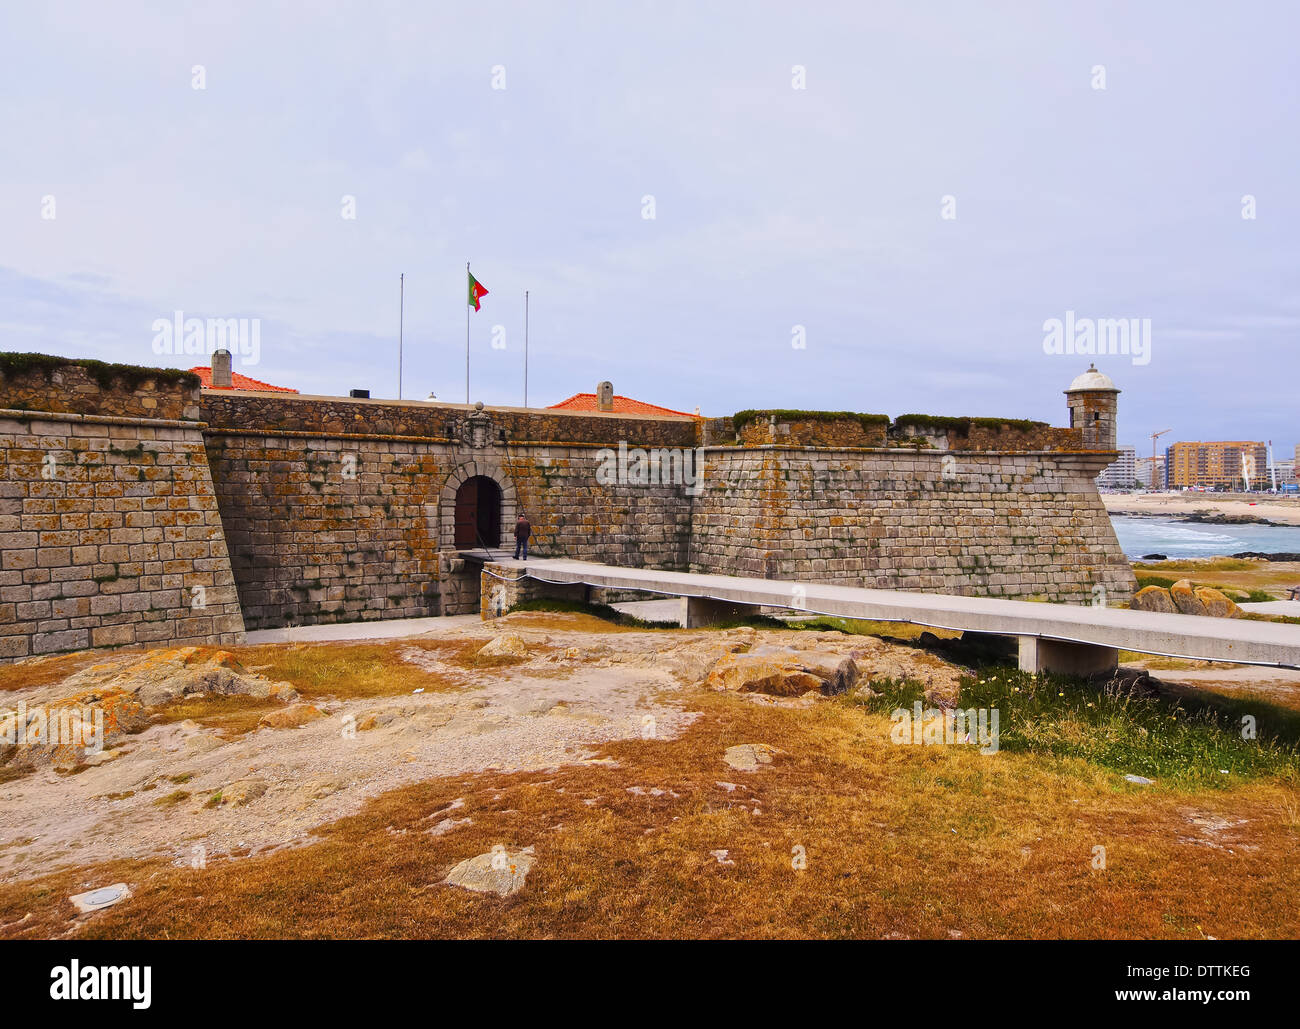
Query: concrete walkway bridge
1064, 638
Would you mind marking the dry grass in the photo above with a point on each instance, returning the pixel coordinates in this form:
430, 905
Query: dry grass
900, 840
349, 671
229, 717
1274, 577
45, 671
333, 671
10, 773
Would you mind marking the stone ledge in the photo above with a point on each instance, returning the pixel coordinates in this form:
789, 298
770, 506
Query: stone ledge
17, 415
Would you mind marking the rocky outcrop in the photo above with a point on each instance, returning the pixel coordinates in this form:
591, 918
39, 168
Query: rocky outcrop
162, 677
749, 757
290, 717
1185, 598
1217, 604
500, 871
505, 645
784, 672
1153, 598
98, 707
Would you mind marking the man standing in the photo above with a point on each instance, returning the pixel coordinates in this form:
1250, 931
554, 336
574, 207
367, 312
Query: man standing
523, 529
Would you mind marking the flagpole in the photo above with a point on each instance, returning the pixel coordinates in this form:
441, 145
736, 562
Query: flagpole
467, 336
401, 323
525, 348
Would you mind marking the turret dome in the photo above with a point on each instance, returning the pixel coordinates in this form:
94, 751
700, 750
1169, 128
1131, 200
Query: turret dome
1091, 381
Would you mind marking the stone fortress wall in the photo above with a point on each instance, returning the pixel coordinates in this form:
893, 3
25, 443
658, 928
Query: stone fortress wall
321, 509
109, 528
326, 523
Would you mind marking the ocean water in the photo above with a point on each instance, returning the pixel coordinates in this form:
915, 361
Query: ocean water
1139, 536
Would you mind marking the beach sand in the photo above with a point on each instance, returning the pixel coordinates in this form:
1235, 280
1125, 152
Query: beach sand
1282, 511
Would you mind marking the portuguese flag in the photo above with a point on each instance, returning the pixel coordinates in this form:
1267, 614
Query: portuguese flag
476, 290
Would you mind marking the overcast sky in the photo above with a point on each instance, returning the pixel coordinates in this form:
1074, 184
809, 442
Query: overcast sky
774, 206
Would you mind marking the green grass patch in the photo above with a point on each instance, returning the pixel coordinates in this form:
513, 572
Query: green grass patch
1241, 594
1183, 742
104, 373
962, 426
1219, 564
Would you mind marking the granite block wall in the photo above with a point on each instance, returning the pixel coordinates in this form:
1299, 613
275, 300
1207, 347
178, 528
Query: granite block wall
1003, 525
109, 535
323, 528
136, 509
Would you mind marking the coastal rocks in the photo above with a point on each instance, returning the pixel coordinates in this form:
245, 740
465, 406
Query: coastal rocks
1258, 556
1217, 605
1184, 598
780, 672
1153, 598
500, 871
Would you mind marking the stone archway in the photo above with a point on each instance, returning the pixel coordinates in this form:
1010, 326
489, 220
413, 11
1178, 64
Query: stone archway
480, 468
478, 513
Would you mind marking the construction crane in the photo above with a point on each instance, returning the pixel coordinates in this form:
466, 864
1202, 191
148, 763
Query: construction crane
1155, 436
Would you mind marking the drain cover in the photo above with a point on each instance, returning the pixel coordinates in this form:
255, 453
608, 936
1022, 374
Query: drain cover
105, 896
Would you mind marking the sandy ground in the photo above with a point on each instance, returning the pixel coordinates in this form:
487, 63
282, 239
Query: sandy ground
576, 689
375, 630
1284, 511
538, 715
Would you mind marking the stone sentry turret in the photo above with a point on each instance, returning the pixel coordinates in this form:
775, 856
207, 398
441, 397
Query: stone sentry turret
1092, 399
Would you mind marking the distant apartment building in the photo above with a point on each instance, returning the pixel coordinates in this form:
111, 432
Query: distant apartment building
1120, 473
1285, 472
1144, 471
1227, 464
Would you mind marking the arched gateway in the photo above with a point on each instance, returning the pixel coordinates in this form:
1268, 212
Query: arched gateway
478, 512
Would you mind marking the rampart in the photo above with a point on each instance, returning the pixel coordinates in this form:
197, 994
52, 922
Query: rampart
289, 509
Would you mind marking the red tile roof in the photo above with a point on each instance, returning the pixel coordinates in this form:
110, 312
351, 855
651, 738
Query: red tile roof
238, 382
622, 405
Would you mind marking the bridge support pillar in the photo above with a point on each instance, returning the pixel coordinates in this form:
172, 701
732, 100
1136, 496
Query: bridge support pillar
1082, 659
699, 611
503, 588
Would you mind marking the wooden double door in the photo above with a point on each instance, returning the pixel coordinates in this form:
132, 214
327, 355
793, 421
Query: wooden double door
478, 513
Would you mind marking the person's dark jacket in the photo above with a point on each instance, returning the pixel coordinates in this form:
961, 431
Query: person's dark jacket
523, 529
